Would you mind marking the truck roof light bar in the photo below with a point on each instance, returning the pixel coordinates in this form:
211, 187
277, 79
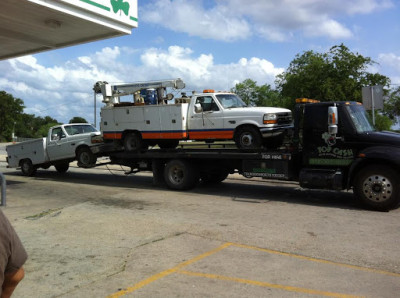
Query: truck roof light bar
306, 100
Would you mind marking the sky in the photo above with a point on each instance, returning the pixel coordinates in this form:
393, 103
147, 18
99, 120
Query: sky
210, 44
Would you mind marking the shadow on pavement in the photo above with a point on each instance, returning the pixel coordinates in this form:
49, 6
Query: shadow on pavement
239, 190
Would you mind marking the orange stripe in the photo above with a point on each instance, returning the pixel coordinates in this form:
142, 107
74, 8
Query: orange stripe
203, 135
164, 135
112, 135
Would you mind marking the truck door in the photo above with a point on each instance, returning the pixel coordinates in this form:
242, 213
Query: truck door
57, 144
319, 147
207, 124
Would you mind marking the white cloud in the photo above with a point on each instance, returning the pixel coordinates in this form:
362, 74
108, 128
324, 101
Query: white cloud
275, 20
391, 62
65, 91
190, 17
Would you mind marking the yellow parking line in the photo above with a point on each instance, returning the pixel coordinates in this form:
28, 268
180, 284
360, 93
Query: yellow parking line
317, 260
267, 285
167, 272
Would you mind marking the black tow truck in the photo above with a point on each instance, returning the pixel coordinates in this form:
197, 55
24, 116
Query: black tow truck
332, 146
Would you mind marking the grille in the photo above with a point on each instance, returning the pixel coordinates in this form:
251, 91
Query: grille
284, 118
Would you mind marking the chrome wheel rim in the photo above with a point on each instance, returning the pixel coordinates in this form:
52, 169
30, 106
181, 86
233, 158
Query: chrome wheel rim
377, 188
247, 139
176, 175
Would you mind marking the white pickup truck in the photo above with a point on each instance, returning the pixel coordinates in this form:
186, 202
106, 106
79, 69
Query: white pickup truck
206, 116
63, 144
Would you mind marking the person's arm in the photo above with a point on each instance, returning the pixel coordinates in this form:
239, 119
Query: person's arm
11, 281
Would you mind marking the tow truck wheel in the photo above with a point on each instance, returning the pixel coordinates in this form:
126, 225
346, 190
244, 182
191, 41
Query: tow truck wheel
27, 168
133, 142
213, 178
248, 137
180, 174
377, 187
85, 158
62, 167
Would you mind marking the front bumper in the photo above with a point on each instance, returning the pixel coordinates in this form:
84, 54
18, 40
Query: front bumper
268, 132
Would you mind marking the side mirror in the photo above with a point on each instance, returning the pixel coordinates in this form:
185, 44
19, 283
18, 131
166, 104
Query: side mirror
332, 120
55, 137
198, 108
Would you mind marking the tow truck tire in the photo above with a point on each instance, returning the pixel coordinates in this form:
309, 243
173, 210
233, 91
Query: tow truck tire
248, 137
213, 178
86, 158
27, 168
377, 187
180, 174
62, 167
133, 142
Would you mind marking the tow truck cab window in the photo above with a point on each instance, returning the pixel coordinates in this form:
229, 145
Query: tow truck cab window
207, 103
315, 122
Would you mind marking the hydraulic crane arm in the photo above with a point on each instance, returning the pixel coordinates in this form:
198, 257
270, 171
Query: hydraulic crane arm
111, 93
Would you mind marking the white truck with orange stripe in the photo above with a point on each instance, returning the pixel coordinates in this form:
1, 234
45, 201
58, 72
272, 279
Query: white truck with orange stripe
205, 116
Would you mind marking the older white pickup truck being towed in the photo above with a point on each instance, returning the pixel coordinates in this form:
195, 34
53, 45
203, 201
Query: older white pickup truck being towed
63, 144
206, 116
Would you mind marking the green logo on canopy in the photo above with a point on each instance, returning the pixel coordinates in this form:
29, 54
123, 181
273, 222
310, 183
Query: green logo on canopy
118, 5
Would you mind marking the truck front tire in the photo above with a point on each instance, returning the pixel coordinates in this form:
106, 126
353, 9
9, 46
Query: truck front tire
377, 187
86, 158
27, 168
248, 137
180, 174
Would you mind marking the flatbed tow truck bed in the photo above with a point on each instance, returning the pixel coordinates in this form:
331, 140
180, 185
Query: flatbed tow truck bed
182, 168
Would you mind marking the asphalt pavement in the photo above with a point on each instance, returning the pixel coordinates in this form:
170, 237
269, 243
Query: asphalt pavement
99, 233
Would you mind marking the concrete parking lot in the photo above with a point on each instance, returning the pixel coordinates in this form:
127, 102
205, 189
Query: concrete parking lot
99, 233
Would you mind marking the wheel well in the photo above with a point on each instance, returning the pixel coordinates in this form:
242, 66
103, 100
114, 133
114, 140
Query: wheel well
80, 147
244, 125
21, 160
365, 163
125, 132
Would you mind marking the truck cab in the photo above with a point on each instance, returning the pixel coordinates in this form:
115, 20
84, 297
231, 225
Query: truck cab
353, 155
223, 115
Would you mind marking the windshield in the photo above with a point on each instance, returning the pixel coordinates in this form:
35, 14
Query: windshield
230, 101
78, 129
360, 118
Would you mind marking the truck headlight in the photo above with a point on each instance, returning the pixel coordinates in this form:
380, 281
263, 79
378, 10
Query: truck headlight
270, 119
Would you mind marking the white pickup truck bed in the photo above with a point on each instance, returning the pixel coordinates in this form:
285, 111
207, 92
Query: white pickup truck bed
34, 150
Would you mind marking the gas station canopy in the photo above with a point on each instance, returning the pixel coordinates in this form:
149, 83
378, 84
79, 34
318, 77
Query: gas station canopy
31, 26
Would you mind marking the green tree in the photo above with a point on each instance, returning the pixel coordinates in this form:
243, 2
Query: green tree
392, 105
78, 120
31, 126
10, 110
337, 75
383, 122
255, 95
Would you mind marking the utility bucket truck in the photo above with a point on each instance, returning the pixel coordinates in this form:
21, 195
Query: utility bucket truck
205, 116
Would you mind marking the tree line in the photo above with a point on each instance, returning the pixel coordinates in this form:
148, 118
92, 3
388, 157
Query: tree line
337, 75
13, 119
